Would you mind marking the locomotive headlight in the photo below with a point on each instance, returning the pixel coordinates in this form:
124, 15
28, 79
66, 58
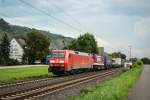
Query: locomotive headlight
52, 61
61, 61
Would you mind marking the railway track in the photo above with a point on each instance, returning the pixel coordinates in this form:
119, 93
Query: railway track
31, 94
10, 88
4, 85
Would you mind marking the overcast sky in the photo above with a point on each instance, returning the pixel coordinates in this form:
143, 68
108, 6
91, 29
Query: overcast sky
116, 24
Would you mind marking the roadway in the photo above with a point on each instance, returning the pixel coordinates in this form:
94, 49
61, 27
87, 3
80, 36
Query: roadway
141, 90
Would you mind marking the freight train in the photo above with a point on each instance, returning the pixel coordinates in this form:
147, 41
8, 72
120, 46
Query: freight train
69, 61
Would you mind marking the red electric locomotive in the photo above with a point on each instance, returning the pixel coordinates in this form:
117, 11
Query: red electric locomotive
64, 61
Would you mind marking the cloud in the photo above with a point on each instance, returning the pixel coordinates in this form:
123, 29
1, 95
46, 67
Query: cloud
142, 27
101, 42
140, 52
129, 7
115, 23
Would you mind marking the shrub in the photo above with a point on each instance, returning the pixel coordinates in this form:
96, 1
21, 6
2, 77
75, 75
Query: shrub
114, 89
13, 62
138, 63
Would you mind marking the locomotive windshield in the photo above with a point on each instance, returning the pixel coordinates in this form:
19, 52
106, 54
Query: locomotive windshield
58, 54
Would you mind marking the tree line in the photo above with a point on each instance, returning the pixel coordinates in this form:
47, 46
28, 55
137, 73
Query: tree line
87, 43
145, 60
84, 43
36, 48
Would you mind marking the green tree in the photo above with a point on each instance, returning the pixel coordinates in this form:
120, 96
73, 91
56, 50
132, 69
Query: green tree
84, 43
146, 60
118, 55
4, 49
4, 25
37, 46
133, 60
72, 45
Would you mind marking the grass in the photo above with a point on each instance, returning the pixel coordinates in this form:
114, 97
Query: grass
114, 89
17, 74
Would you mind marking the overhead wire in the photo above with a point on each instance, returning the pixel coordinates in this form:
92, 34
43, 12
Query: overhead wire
50, 15
67, 14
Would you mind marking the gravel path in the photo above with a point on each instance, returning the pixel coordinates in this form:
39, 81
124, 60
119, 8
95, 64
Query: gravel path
141, 91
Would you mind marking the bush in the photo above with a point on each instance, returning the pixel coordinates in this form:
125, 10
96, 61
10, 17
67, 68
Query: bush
114, 89
138, 63
13, 62
125, 69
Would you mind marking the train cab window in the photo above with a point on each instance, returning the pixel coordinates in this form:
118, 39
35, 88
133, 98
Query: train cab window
49, 54
58, 54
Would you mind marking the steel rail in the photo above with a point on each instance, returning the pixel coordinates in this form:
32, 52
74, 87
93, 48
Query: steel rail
38, 92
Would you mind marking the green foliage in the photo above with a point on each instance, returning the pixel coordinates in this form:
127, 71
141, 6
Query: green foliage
118, 55
114, 89
138, 63
72, 45
4, 25
84, 43
4, 49
133, 60
37, 46
146, 60
15, 74
13, 62
4, 52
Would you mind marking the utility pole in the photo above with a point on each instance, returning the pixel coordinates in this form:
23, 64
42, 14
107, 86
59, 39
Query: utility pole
130, 51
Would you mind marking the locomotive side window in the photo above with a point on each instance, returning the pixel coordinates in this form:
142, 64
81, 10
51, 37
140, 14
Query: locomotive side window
58, 54
49, 54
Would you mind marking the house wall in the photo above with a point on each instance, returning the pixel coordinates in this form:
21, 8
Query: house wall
16, 51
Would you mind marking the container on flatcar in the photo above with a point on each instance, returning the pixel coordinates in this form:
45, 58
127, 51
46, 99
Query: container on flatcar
99, 59
118, 62
107, 61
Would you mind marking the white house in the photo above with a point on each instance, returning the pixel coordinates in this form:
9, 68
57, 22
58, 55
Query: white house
16, 48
